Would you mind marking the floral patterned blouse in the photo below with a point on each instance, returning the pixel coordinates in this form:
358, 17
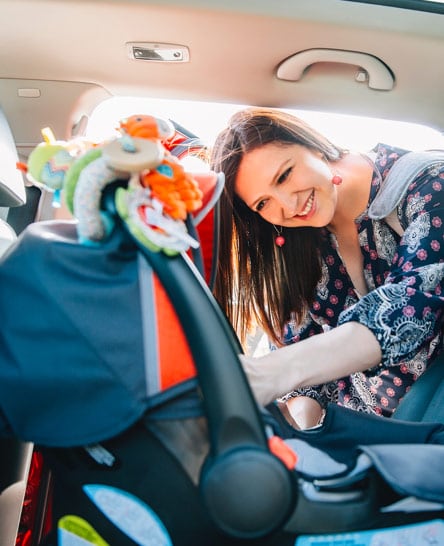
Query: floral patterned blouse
405, 300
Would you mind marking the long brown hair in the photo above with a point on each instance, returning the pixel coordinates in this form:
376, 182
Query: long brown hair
258, 282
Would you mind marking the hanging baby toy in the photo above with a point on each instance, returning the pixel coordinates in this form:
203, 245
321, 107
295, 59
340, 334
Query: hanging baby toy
159, 197
159, 193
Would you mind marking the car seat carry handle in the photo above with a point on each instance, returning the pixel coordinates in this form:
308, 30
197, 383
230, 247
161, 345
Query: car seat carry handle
247, 490
215, 354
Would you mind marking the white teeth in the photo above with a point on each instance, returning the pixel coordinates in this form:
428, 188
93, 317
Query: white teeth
308, 206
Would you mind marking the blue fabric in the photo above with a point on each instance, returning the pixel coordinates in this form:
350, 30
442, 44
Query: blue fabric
345, 431
71, 354
414, 470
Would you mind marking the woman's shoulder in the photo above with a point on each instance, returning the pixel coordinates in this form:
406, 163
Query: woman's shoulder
401, 174
385, 156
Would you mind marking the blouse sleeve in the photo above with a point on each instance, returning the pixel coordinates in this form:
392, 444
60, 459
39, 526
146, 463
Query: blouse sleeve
297, 332
406, 312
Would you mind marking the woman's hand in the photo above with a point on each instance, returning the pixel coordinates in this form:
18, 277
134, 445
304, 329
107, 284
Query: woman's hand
300, 412
265, 376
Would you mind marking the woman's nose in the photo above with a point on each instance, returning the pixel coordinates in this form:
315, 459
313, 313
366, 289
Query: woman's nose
288, 203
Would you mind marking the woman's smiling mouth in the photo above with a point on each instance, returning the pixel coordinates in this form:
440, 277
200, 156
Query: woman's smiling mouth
308, 208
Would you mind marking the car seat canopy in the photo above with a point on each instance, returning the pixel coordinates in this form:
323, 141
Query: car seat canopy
89, 381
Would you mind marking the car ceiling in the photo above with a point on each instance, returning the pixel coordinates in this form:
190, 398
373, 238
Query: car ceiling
58, 59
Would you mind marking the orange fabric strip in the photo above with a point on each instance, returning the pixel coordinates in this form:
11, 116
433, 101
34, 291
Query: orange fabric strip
176, 361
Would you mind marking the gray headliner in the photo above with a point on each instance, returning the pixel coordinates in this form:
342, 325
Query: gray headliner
74, 53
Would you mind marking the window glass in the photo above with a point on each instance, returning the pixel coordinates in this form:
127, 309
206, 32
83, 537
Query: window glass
206, 120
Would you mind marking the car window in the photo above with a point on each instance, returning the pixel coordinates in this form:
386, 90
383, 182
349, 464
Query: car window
206, 119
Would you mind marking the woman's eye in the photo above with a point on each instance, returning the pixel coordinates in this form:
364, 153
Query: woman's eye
284, 175
260, 205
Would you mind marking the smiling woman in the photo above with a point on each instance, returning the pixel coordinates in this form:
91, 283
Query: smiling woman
375, 291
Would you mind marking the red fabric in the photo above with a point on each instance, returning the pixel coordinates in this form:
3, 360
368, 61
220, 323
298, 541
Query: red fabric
28, 523
175, 360
206, 233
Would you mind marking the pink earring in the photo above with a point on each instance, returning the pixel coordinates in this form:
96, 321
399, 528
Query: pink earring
336, 180
280, 239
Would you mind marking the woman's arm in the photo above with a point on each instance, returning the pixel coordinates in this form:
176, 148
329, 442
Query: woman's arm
319, 359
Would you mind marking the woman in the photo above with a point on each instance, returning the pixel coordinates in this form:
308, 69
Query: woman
299, 256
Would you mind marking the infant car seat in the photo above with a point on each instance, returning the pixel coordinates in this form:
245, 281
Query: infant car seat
131, 386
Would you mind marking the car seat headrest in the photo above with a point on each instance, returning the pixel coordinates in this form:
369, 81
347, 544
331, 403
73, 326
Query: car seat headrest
7, 236
12, 187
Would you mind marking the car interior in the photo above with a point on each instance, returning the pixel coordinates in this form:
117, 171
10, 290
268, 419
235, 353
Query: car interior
60, 63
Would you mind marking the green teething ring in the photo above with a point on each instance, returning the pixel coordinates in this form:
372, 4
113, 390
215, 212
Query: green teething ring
73, 173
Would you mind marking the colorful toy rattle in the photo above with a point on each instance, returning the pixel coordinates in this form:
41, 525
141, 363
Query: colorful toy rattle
159, 194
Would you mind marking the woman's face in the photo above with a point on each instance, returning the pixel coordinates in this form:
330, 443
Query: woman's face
288, 185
